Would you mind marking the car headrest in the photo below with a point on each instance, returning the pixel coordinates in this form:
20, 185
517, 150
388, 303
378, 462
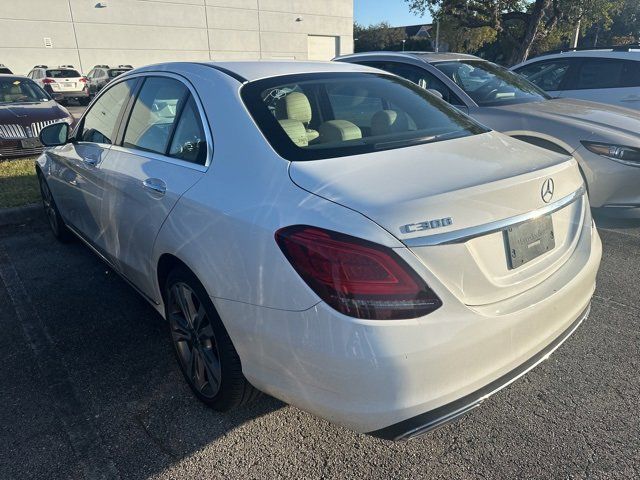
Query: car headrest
389, 121
296, 131
338, 130
294, 106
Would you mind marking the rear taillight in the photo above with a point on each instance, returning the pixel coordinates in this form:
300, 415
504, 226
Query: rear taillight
83, 80
356, 277
48, 80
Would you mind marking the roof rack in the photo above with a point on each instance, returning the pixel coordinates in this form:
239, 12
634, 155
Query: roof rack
626, 48
125, 66
616, 48
40, 66
101, 66
66, 66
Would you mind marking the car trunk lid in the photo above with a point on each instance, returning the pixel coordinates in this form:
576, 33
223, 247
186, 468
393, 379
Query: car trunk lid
446, 201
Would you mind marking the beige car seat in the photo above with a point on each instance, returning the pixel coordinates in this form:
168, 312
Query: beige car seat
338, 131
296, 106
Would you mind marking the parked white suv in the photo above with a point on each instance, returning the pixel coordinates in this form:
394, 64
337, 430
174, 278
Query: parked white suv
62, 83
602, 75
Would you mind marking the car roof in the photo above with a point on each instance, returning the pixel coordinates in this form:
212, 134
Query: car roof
251, 70
633, 54
429, 57
12, 76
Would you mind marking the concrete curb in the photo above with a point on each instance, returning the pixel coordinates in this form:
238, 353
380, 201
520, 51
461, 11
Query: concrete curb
15, 215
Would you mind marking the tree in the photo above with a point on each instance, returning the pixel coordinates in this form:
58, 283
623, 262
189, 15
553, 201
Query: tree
520, 23
377, 37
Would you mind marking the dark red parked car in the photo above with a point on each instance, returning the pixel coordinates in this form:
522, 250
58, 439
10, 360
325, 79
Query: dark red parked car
25, 109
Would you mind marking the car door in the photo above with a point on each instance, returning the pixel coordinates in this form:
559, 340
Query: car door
607, 80
550, 75
77, 184
163, 150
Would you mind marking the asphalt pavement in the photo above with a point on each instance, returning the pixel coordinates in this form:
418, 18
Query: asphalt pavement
89, 389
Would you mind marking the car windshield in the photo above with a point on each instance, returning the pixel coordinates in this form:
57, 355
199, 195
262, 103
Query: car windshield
113, 73
63, 73
324, 115
19, 90
489, 84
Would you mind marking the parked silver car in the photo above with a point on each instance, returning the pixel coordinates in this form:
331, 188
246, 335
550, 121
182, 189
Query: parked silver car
603, 138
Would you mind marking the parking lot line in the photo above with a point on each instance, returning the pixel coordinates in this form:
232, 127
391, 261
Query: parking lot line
82, 435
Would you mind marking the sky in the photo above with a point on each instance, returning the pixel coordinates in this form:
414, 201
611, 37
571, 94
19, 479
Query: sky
396, 12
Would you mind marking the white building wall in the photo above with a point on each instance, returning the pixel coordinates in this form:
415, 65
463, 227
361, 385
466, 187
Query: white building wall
140, 32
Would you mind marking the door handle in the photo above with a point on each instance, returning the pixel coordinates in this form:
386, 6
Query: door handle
155, 185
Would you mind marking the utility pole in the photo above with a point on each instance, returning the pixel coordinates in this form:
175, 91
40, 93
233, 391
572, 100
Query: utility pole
576, 35
437, 35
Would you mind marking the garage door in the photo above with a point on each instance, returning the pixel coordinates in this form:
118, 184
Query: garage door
322, 47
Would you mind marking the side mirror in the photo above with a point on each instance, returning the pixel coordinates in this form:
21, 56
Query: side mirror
55, 135
435, 92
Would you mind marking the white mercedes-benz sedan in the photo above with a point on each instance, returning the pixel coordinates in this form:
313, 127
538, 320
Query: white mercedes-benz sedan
327, 233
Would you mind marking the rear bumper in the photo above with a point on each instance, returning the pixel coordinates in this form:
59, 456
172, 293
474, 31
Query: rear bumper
390, 377
425, 422
65, 95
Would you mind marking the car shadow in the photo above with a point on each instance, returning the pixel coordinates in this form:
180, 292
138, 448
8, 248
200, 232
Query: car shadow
113, 352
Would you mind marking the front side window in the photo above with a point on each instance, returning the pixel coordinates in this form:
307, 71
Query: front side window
100, 122
21, 91
489, 84
154, 114
546, 75
324, 115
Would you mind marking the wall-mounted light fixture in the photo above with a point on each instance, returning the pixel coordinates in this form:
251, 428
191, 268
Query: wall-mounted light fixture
101, 5
299, 19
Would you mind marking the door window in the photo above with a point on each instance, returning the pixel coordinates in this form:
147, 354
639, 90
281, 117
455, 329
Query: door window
189, 142
154, 114
596, 73
420, 77
546, 75
99, 124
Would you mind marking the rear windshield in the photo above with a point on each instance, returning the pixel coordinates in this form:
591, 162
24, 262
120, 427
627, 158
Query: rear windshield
64, 73
114, 73
5, 70
21, 91
325, 115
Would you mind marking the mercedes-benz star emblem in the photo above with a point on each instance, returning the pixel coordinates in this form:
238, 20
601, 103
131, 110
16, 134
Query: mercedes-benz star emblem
547, 190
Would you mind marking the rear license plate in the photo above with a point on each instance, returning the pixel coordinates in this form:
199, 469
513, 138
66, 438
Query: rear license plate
30, 143
68, 84
529, 240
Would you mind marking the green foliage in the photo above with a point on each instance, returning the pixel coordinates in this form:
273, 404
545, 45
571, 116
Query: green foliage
18, 183
526, 27
377, 37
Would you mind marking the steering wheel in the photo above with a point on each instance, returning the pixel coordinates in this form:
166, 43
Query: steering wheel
488, 89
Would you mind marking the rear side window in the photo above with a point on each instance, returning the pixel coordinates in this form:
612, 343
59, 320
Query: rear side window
63, 73
546, 75
595, 73
325, 115
165, 120
154, 114
99, 124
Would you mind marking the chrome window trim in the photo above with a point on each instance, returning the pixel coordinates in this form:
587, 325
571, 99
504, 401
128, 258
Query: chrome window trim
159, 157
465, 234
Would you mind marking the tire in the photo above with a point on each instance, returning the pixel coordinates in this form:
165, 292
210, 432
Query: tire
58, 227
208, 360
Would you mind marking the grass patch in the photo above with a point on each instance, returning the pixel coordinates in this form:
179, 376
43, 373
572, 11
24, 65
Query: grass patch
18, 183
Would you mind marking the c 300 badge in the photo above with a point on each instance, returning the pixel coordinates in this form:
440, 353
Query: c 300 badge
426, 225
